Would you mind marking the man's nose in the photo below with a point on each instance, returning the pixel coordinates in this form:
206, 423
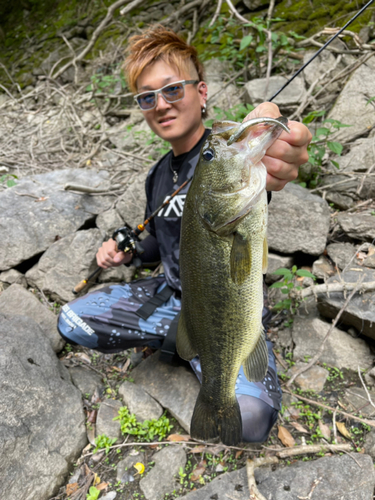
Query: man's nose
162, 103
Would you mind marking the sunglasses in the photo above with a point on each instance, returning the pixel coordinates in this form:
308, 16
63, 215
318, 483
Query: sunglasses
172, 92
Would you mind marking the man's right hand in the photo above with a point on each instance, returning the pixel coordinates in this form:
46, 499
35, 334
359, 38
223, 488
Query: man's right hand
107, 255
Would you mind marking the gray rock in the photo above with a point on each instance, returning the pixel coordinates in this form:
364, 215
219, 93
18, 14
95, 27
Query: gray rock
370, 377
161, 479
140, 402
104, 422
132, 203
284, 337
116, 274
294, 93
66, 263
276, 262
176, 389
359, 158
341, 479
360, 226
125, 467
42, 428
360, 311
29, 228
16, 300
12, 276
224, 97
109, 221
215, 70
340, 350
312, 379
109, 496
298, 221
370, 444
322, 268
370, 260
341, 254
136, 358
321, 64
339, 200
350, 107
358, 402
85, 380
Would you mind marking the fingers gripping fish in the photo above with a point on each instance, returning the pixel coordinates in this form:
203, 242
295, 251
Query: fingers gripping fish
223, 254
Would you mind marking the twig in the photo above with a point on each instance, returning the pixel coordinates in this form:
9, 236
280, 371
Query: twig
178, 12
315, 358
217, 12
269, 36
280, 360
98, 31
309, 449
250, 466
243, 19
331, 288
365, 388
334, 425
315, 484
88, 189
332, 185
329, 408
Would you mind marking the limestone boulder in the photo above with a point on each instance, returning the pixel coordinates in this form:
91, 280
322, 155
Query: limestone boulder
42, 425
294, 93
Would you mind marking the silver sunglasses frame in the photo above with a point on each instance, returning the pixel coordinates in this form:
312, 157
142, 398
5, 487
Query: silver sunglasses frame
159, 91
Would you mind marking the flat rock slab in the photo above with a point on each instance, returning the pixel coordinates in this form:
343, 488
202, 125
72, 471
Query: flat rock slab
85, 380
293, 94
340, 479
360, 311
312, 379
341, 350
350, 107
42, 425
104, 423
358, 226
357, 399
161, 479
29, 228
298, 221
140, 402
342, 254
175, 388
15, 300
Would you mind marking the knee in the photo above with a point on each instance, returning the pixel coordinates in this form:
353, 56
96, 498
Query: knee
258, 418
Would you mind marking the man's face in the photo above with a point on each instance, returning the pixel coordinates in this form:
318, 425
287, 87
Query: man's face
173, 122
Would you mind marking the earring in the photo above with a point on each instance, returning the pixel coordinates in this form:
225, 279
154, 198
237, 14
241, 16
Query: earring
204, 108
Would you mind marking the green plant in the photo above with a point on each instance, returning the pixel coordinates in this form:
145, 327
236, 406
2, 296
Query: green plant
104, 442
182, 475
147, 430
288, 285
100, 82
93, 493
9, 180
321, 143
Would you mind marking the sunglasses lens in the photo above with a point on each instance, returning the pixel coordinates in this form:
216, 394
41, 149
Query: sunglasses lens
173, 92
146, 101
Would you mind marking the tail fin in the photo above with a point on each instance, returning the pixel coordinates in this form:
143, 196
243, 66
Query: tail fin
208, 422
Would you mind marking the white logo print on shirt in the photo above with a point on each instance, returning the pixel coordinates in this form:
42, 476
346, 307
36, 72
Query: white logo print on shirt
175, 206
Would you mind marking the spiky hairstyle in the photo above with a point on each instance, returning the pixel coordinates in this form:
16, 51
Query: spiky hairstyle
159, 44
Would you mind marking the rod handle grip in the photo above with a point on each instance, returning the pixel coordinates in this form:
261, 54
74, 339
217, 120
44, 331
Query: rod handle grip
81, 285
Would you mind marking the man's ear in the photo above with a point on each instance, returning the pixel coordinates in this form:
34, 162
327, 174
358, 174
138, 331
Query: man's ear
202, 89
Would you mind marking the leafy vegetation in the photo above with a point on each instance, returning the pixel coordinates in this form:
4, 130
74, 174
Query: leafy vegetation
287, 285
104, 442
147, 430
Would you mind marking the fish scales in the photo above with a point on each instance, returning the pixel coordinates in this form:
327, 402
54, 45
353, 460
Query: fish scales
222, 258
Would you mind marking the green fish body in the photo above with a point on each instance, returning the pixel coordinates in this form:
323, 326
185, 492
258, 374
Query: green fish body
223, 255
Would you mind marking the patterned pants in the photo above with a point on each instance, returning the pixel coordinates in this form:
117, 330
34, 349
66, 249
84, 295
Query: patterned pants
105, 320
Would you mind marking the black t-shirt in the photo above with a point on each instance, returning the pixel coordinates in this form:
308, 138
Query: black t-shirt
165, 228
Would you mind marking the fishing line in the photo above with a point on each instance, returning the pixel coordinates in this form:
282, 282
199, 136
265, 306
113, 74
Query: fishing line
320, 50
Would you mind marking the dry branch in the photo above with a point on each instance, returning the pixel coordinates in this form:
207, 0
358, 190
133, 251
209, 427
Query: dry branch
311, 449
250, 466
332, 288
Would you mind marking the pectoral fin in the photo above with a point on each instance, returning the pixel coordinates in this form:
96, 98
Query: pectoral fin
240, 259
265, 256
184, 346
256, 364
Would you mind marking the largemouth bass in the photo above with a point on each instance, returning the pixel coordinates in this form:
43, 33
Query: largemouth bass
223, 255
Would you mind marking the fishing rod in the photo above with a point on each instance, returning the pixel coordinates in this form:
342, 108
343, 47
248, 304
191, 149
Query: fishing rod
320, 50
127, 239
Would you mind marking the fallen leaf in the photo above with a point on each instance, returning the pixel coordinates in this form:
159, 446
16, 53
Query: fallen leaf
179, 437
91, 432
238, 454
198, 449
140, 468
102, 486
196, 474
71, 488
126, 366
299, 427
343, 430
77, 207
285, 437
88, 163
325, 430
92, 416
42, 198
216, 450
111, 368
154, 446
83, 357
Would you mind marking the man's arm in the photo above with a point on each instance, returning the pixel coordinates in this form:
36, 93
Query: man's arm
284, 157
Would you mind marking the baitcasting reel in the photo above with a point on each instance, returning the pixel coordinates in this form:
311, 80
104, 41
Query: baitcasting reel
127, 241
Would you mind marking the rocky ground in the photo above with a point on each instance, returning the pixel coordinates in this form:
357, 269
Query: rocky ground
74, 154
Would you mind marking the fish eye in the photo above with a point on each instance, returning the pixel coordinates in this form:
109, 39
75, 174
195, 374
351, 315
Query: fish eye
208, 155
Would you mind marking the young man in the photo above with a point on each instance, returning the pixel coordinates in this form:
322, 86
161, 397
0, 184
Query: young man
167, 79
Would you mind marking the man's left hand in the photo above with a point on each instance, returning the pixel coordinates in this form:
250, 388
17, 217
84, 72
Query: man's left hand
287, 153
